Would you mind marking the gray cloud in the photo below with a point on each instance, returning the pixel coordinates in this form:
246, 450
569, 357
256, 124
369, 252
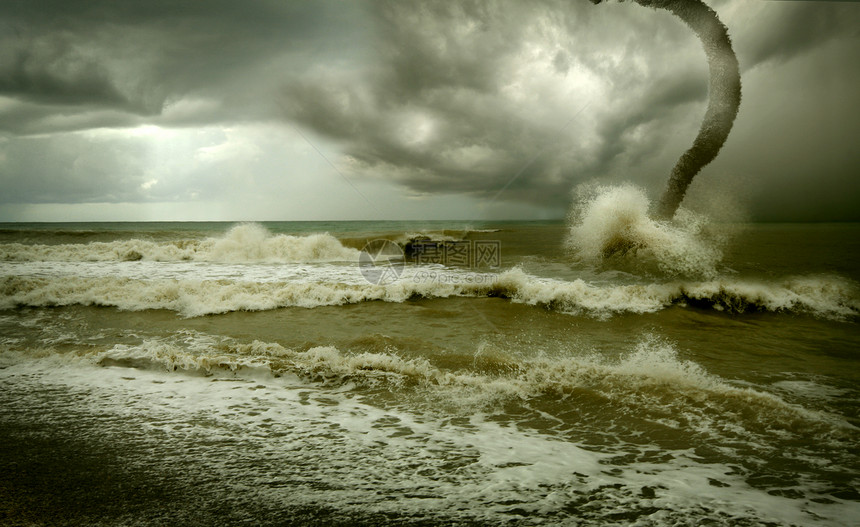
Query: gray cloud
454, 72
70, 169
139, 58
783, 31
467, 98
49, 72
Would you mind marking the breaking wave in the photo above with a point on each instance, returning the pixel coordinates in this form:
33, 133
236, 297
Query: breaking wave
244, 243
651, 377
479, 463
824, 296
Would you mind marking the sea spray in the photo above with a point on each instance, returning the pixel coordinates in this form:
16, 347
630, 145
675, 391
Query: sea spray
613, 221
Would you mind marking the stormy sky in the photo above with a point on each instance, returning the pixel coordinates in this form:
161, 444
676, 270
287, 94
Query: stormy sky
269, 110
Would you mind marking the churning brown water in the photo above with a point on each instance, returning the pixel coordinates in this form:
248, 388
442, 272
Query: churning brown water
510, 373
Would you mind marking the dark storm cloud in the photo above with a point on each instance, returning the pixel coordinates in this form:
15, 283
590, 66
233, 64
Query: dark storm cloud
475, 97
137, 58
461, 97
49, 73
795, 28
480, 96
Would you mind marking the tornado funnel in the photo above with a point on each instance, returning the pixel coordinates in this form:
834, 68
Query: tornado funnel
724, 96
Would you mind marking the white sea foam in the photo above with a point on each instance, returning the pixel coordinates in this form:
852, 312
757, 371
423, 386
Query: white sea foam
826, 296
650, 377
244, 243
354, 450
651, 380
498, 464
614, 221
823, 296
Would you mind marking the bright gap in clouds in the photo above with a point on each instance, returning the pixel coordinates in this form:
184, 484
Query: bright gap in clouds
216, 173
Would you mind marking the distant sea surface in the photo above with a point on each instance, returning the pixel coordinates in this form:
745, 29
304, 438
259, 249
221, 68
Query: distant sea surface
277, 374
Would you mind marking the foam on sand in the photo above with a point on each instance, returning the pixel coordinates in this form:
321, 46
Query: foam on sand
343, 428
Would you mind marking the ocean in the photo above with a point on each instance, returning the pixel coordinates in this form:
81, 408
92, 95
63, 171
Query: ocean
429, 373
